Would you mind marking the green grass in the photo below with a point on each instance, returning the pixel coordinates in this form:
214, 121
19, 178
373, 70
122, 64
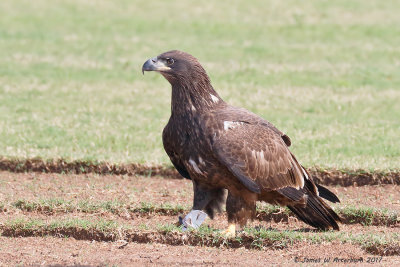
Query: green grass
101, 225
325, 72
108, 230
350, 214
56, 205
369, 215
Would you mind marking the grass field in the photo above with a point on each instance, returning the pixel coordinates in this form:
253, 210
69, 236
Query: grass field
325, 72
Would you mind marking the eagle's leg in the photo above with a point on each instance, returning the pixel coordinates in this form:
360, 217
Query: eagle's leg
240, 208
209, 200
217, 202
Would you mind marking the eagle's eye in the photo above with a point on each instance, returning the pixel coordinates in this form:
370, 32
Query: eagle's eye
170, 61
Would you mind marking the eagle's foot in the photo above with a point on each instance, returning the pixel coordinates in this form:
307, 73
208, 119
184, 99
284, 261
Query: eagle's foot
230, 231
193, 219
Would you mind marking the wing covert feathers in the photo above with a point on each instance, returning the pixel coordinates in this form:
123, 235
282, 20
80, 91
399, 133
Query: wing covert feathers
246, 181
258, 157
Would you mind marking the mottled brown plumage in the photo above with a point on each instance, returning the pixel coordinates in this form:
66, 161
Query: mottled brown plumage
220, 147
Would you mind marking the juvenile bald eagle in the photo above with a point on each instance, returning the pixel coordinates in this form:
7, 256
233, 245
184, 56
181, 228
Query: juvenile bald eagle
220, 147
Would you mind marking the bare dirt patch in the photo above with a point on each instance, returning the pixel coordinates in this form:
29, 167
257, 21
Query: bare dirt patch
383, 196
68, 251
136, 189
133, 196
129, 189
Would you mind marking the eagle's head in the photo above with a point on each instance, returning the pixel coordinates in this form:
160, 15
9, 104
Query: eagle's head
175, 66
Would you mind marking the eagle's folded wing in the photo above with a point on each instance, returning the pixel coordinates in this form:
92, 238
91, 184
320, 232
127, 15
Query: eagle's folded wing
257, 156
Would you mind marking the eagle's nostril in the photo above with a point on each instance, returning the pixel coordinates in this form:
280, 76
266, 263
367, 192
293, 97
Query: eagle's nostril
154, 59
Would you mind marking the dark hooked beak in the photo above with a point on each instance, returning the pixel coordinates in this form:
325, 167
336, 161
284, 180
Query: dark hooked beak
153, 64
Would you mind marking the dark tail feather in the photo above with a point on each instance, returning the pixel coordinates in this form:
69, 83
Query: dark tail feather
328, 195
323, 191
317, 214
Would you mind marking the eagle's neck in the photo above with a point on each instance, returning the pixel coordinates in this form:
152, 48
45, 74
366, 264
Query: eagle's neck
192, 96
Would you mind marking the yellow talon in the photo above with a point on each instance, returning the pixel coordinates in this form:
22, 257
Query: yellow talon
230, 231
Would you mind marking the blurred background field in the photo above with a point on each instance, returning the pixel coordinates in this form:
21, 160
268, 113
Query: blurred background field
327, 73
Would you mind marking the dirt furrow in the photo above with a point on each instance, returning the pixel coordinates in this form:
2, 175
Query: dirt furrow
324, 176
157, 190
349, 215
374, 241
69, 251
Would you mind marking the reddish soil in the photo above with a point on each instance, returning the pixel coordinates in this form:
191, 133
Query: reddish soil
378, 196
68, 251
158, 190
94, 187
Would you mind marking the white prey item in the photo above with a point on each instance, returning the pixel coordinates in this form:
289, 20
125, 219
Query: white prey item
193, 219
